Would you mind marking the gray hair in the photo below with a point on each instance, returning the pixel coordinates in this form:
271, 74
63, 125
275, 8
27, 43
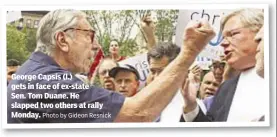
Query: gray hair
167, 49
252, 18
53, 22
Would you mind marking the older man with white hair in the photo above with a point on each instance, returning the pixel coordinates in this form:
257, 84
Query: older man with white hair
64, 47
237, 99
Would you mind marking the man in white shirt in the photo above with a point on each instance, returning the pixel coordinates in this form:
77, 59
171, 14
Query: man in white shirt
237, 99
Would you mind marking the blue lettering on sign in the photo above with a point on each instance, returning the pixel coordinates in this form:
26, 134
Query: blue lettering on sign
204, 15
212, 18
144, 75
203, 59
218, 40
142, 67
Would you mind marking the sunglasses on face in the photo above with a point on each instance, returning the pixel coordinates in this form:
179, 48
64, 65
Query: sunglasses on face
91, 32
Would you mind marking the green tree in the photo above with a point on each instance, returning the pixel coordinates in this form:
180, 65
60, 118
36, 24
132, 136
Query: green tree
166, 24
31, 42
115, 25
16, 44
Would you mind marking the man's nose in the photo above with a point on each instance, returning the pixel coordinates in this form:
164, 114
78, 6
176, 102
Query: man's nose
123, 84
106, 74
217, 70
211, 87
225, 43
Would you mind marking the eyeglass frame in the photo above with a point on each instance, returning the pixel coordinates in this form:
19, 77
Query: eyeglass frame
220, 65
231, 37
103, 73
86, 30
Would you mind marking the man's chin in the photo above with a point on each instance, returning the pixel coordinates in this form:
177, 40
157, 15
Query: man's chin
124, 93
109, 87
208, 95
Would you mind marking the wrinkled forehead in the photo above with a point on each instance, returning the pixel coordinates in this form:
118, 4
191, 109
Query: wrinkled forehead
216, 63
125, 74
209, 76
232, 23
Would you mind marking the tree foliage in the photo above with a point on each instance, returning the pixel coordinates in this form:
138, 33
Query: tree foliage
115, 24
166, 24
31, 38
109, 24
16, 44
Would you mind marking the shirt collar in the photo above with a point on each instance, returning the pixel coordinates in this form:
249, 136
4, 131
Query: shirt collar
43, 58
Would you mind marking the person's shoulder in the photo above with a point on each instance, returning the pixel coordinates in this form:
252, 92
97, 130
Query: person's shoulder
231, 81
228, 87
39, 66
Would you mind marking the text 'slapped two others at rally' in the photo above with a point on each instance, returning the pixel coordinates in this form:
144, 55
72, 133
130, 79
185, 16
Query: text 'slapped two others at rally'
161, 66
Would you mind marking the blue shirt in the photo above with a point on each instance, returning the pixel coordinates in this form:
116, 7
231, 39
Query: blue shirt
40, 66
208, 102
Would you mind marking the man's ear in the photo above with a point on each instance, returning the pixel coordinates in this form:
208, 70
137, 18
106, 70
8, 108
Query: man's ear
62, 41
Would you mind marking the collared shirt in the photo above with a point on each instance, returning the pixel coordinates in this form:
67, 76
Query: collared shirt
248, 102
208, 102
93, 104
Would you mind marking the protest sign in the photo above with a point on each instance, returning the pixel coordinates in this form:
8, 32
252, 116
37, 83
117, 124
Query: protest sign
213, 50
141, 64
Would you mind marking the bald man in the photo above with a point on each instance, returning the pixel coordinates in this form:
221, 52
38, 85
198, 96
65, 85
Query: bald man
209, 85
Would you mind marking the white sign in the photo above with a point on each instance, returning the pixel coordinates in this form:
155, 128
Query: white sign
213, 50
141, 64
13, 16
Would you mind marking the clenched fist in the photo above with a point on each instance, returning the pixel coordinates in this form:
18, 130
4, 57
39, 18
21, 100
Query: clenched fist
147, 24
197, 35
148, 27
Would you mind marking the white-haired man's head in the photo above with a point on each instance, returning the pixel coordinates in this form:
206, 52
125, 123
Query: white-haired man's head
66, 36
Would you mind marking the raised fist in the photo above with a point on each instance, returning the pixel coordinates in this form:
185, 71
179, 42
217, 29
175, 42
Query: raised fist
147, 24
197, 35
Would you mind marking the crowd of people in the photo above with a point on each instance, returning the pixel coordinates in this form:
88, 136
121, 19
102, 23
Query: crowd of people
223, 93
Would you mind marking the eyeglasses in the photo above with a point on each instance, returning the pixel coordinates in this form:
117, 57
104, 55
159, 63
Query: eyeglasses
104, 72
91, 32
218, 65
230, 35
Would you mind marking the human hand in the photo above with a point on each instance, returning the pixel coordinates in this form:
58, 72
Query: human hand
147, 25
196, 36
195, 74
189, 92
